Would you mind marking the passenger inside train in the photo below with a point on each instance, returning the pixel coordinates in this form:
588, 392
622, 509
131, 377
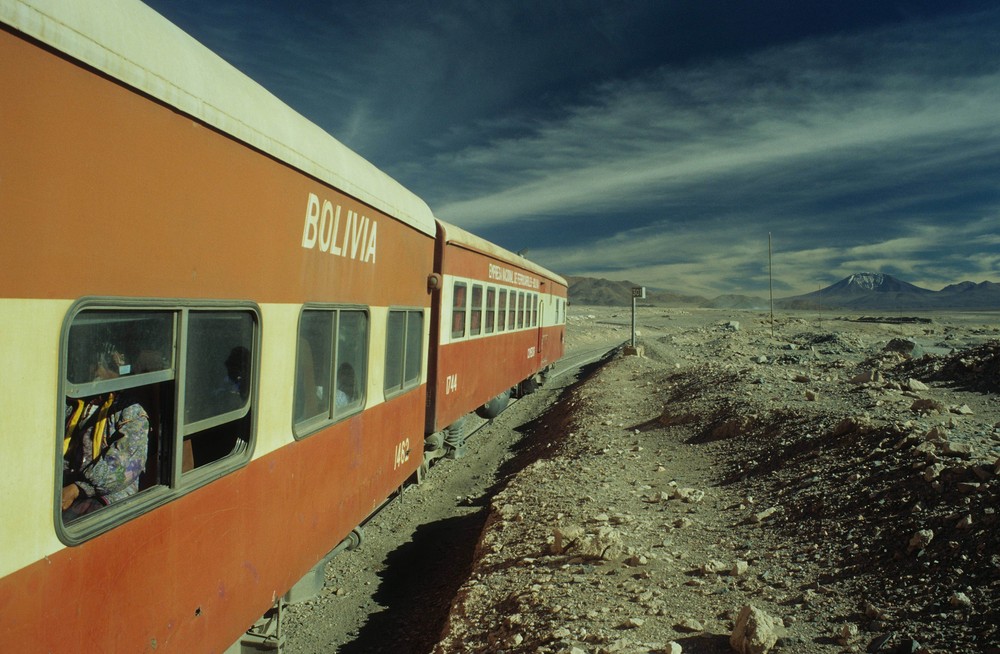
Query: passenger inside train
105, 444
235, 388
346, 393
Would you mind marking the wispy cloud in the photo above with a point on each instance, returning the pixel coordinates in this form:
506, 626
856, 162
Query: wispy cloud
776, 113
846, 141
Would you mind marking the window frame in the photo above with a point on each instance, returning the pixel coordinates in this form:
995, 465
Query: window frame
491, 310
502, 309
406, 385
172, 481
476, 310
332, 415
457, 334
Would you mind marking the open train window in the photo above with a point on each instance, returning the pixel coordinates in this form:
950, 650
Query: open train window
502, 310
458, 310
331, 366
491, 309
151, 392
476, 311
403, 350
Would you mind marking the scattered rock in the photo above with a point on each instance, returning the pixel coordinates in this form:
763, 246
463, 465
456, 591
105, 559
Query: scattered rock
714, 568
963, 450
926, 406
755, 632
691, 495
867, 377
920, 540
690, 625
847, 634
766, 513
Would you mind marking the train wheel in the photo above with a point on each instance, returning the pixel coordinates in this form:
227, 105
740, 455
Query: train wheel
492, 409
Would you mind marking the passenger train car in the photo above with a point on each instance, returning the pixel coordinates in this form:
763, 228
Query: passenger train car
504, 318
291, 322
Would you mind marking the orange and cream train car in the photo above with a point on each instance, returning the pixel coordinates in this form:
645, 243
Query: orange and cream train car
498, 317
262, 293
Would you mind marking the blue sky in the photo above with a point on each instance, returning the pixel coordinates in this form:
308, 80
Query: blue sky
662, 141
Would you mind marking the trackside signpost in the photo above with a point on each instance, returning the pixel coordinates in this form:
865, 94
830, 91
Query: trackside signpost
638, 292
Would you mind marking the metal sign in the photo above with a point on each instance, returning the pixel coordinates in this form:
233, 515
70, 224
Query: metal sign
639, 292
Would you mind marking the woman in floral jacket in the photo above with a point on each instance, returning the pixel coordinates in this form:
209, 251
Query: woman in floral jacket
105, 446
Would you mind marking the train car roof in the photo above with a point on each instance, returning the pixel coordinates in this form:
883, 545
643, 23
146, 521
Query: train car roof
454, 235
133, 44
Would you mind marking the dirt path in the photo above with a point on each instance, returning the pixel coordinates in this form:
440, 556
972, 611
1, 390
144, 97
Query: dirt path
805, 476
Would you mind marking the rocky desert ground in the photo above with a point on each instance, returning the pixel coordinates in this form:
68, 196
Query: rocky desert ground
802, 483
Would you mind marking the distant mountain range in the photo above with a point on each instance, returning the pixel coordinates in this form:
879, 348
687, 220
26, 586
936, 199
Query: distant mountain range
860, 292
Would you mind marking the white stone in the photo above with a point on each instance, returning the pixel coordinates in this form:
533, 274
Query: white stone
755, 632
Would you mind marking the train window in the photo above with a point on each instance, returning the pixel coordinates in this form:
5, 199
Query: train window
404, 351
491, 309
502, 310
352, 357
520, 309
147, 335
331, 366
217, 378
314, 366
412, 370
476, 318
512, 311
531, 310
458, 311
395, 351
141, 385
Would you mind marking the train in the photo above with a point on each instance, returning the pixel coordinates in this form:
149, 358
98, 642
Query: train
271, 332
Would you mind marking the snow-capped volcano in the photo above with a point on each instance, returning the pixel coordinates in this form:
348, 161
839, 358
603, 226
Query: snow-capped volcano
879, 291
873, 282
